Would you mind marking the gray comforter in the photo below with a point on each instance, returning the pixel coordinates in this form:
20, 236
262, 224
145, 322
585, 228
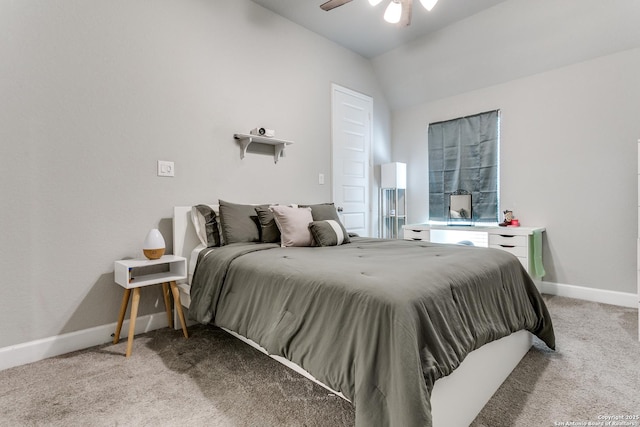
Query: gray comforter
378, 320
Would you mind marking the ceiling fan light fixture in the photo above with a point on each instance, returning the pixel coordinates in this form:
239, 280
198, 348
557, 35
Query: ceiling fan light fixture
394, 12
374, 2
428, 4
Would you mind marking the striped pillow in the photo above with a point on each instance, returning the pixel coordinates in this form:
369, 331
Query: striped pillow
328, 233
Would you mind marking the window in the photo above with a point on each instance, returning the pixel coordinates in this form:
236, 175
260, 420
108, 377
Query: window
464, 155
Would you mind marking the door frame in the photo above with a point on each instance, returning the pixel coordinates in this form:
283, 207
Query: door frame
370, 168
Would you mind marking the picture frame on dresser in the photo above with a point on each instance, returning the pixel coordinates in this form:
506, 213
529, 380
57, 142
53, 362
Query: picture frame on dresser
460, 208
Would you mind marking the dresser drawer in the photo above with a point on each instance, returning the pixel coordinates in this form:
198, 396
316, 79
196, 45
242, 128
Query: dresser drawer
519, 251
508, 240
410, 234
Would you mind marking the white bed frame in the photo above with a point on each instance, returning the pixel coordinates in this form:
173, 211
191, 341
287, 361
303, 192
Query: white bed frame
455, 400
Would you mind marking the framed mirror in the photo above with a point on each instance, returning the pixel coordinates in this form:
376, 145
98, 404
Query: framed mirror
460, 208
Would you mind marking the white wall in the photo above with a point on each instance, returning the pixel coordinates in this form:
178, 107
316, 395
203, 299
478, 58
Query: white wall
513, 39
93, 93
568, 162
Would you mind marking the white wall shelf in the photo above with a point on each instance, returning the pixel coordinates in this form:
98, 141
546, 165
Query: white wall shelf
278, 144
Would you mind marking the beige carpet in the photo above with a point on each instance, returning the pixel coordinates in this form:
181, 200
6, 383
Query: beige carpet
213, 379
594, 373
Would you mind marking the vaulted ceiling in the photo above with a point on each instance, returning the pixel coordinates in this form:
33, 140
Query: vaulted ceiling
464, 45
361, 28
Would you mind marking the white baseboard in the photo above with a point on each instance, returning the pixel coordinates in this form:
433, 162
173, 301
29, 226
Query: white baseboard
33, 351
623, 299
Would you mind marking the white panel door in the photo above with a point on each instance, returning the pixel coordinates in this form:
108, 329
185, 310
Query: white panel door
350, 160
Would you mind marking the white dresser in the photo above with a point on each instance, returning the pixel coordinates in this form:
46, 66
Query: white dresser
520, 241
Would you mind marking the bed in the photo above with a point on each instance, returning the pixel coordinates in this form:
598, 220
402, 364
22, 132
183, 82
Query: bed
412, 333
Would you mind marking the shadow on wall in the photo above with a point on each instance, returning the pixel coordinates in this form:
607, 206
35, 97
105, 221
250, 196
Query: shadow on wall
101, 303
551, 270
166, 229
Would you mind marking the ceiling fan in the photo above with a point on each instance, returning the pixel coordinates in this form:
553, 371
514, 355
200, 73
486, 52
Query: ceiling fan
397, 12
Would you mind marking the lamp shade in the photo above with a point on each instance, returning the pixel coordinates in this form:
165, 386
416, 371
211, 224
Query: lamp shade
154, 246
394, 12
393, 175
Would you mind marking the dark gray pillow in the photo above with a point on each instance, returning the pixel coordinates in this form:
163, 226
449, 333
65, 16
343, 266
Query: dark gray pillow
239, 222
269, 232
328, 233
324, 212
206, 225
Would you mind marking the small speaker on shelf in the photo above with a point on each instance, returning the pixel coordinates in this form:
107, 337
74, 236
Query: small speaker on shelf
263, 132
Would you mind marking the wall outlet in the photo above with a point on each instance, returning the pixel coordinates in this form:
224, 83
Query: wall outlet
321, 178
165, 168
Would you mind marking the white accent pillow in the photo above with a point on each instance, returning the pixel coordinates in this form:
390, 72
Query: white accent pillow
205, 222
293, 224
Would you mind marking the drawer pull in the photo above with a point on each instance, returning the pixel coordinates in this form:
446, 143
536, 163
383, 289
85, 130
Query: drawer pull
417, 231
507, 246
417, 239
506, 235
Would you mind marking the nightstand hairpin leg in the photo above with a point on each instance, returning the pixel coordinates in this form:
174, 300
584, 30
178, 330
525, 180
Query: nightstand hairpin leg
178, 308
167, 303
123, 310
135, 301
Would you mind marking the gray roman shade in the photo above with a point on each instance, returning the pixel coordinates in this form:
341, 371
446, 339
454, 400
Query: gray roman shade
464, 155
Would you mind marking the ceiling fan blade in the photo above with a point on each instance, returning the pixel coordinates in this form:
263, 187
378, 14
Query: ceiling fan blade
405, 18
333, 4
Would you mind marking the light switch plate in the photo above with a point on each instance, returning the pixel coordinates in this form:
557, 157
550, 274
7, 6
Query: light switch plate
165, 168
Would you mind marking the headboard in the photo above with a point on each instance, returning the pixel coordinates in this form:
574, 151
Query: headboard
185, 239
184, 234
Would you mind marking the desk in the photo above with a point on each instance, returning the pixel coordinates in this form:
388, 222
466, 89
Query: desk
519, 241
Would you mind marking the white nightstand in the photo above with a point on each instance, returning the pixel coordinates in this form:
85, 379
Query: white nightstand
125, 276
